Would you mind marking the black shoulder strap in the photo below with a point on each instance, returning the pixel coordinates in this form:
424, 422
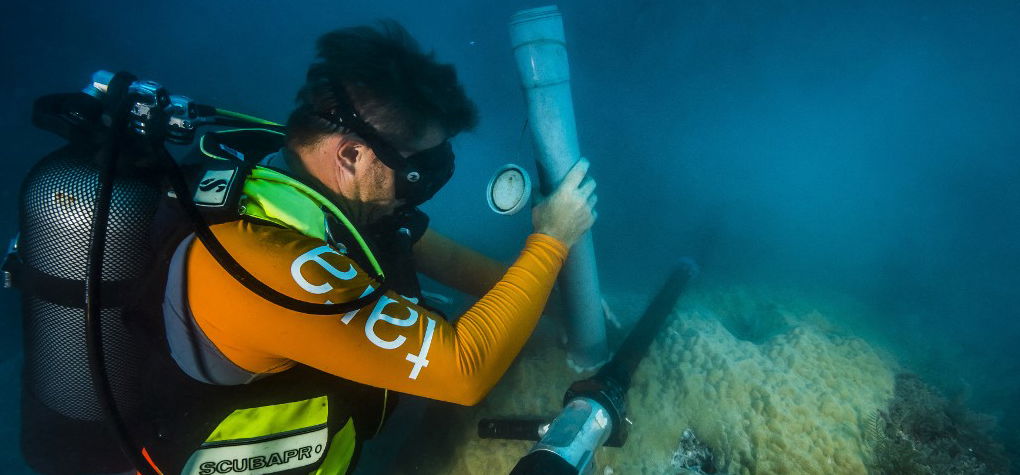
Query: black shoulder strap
243, 145
227, 158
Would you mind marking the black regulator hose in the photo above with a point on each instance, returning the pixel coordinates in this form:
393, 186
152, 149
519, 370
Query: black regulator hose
107, 158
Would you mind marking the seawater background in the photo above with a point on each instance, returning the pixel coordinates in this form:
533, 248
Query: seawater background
863, 150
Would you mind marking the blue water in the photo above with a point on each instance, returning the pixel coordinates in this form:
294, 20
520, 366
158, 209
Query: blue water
864, 148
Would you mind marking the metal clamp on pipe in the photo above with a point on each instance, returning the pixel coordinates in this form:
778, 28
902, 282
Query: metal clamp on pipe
569, 445
611, 396
594, 412
593, 415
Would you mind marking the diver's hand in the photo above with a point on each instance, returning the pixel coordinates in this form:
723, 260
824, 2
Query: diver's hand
570, 210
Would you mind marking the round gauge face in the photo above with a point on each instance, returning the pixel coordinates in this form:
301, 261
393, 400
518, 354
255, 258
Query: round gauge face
509, 190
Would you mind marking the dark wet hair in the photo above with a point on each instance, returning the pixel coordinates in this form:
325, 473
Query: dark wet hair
392, 84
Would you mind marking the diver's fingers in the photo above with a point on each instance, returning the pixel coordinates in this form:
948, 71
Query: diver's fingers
592, 200
575, 175
587, 188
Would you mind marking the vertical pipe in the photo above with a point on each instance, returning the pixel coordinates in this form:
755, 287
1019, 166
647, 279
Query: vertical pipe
539, 47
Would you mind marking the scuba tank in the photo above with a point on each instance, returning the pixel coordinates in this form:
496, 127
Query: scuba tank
50, 261
59, 191
58, 199
84, 248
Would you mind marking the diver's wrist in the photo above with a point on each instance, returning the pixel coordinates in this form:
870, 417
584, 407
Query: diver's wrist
549, 238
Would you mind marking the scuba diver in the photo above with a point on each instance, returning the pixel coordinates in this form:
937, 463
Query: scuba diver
325, 213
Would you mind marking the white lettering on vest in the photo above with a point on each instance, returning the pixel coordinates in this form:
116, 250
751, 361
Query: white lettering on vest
271, 456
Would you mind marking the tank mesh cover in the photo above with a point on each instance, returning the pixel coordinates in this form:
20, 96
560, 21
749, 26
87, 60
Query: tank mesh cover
58, 200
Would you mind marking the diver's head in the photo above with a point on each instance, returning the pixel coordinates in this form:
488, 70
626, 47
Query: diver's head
374, 118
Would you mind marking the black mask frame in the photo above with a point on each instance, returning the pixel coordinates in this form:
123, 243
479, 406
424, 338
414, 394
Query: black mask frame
418, 176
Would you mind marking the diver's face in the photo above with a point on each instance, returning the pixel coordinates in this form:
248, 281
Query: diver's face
377, 184
382, 180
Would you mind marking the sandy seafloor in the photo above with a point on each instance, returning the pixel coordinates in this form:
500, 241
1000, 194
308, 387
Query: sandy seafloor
770, 382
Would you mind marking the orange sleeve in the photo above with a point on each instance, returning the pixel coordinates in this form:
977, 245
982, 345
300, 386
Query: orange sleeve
456, 265
393, 344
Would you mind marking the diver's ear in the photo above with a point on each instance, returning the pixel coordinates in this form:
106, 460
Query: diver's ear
347, 155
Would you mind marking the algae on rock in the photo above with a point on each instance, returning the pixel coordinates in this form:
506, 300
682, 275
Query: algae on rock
923, 433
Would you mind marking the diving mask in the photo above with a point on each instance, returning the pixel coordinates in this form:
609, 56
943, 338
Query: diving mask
418, 176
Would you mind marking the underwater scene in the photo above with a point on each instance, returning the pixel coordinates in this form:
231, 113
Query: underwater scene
805, 253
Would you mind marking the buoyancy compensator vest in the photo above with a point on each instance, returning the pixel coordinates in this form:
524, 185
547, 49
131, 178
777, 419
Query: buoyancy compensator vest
190, 426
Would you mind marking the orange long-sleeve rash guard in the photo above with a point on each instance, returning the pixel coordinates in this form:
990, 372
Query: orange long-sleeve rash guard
393, 344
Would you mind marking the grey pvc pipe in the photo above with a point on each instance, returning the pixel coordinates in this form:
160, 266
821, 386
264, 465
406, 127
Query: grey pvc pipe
539, 47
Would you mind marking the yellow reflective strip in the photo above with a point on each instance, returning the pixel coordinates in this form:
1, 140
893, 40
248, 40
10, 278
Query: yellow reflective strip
341, 451
302, 449
268, 420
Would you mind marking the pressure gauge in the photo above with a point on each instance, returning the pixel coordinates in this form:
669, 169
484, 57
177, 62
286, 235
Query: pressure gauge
509, 189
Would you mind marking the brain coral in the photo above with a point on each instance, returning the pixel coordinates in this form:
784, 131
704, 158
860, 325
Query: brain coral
794, 403
768, 391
